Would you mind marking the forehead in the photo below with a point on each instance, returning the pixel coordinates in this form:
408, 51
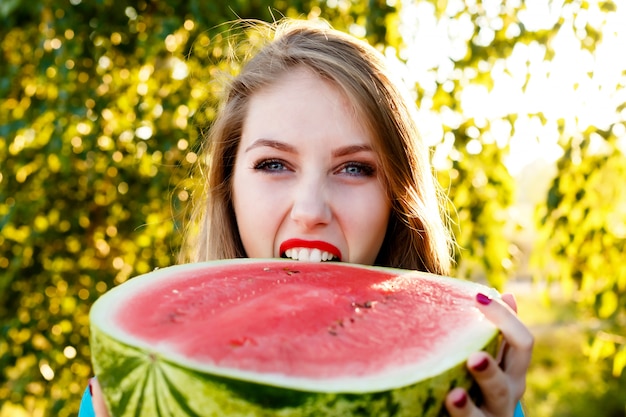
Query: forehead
301, 82
302, 103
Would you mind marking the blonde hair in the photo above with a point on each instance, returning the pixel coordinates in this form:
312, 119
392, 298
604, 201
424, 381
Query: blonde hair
417, 236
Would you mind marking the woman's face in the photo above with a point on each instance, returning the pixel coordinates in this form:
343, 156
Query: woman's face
307, 181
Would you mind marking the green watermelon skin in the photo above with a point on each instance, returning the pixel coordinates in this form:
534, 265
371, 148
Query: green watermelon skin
139, 382
157, 387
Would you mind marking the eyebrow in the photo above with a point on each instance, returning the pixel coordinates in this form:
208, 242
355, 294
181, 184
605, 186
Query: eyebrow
351, 149
282, 146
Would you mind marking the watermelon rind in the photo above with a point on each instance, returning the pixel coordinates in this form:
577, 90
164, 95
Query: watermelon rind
141, 379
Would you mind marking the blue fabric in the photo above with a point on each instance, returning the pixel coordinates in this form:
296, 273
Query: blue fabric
519, 412
86, 406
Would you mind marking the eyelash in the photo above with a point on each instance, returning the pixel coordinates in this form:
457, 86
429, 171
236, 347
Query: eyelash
272, 166
265, 165
365, 170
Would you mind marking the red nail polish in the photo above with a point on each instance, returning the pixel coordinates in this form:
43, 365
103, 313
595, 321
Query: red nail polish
461, 401
483, 299
482, 365
90, 388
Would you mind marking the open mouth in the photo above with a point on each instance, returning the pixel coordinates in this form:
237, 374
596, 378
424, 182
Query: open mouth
309, 255
309, 250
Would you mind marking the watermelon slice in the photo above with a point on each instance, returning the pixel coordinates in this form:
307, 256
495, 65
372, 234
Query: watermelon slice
254, 337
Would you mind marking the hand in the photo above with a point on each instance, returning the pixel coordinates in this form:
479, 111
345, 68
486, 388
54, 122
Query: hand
501, 380
97, 399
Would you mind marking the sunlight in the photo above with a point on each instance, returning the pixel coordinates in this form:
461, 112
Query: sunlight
574, 87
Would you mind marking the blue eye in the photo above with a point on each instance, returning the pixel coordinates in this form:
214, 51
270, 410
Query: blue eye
271, 165
357, 169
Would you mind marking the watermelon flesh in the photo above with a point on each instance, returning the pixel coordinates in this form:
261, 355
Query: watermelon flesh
277, 337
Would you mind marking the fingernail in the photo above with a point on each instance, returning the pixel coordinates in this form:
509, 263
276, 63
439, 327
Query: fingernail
90, 388
461, 401
483, 299
481, 366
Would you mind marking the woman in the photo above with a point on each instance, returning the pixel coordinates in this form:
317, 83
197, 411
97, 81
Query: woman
315, 156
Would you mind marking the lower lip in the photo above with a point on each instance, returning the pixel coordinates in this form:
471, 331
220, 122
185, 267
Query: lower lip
310, 244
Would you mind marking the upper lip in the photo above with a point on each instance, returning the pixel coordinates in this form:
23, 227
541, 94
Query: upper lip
310, 244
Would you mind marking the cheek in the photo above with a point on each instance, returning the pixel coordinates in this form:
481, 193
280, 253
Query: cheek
257, 210
254, 200
365, 217
242, 206
375, 220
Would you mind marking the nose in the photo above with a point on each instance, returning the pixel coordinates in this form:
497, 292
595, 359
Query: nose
311, 206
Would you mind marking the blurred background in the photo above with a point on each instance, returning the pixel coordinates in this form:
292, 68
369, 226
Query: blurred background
102, 105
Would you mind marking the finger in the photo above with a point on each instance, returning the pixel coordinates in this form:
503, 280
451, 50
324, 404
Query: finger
509, 299
493, 382
518, 338
501, 355
459, 404
99, 407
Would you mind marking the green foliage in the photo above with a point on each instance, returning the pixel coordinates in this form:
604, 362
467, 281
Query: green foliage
561, 380
93, 147
480, 192
582, 225
583, 242
479, 186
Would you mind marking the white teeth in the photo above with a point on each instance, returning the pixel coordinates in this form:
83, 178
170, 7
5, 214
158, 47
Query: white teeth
316, 255
309, 255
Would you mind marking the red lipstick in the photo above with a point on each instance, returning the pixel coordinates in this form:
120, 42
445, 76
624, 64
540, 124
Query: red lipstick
310, 244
